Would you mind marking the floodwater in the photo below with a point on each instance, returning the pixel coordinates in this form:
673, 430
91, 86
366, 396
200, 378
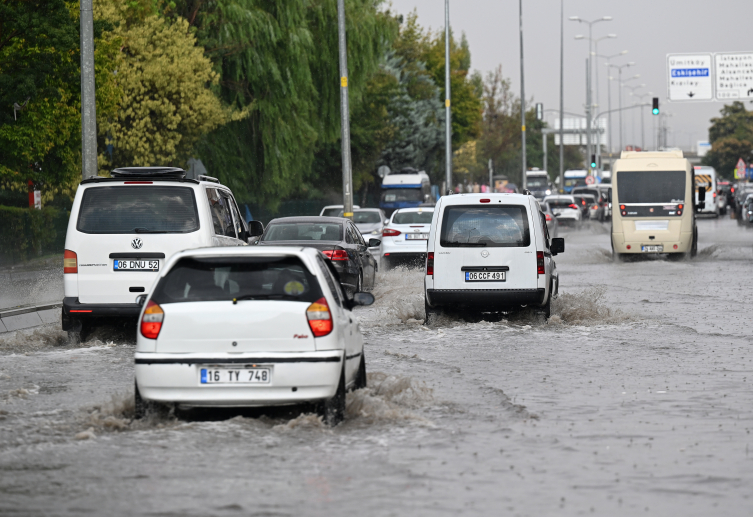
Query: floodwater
634, 399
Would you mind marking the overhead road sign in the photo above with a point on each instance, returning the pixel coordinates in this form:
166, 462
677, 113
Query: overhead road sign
690, 77
733, 75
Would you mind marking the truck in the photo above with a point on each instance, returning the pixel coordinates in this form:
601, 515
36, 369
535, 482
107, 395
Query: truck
404, 189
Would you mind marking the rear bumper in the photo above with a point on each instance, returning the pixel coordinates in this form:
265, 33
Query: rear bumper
489, 299
296, 377
75, 310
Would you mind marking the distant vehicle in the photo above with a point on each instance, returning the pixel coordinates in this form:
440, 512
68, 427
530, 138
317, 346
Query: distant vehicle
405, 235
369, 221
248, 327
551, 221
122, 230
334, 210
724, 196
565, 209
601, 194
706, 177
490, 253
747, 211
537, 182
404, 189
595, 208
742, 190
337, 238
584, 203
510, 188
574, 178
653, 197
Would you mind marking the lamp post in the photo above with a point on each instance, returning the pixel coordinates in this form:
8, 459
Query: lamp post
643, 133
344, 114
619, 80
632, 115
562, 95
447, 113
88, 105
522, 101
609, 94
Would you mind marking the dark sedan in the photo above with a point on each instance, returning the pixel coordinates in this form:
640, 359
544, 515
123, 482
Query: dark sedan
337, 238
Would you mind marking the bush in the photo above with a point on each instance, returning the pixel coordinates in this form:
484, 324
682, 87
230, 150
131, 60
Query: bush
26, 233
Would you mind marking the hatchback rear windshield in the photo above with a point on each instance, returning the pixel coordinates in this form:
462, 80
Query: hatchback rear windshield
560, 203
488, 226
303, 232
125, 209
199, 279
366, 217
332, 212
412, 218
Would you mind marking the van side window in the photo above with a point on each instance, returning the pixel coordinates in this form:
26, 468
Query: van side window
542, 218
333, 287
222, 220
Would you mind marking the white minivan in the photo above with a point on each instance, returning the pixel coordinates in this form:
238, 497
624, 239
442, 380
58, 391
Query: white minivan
122, 230
490, 253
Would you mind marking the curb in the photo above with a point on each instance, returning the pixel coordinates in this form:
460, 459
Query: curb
18, 318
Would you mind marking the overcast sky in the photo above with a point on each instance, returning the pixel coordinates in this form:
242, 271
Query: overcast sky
647, 29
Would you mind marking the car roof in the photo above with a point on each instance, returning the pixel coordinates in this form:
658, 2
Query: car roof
308, 219
308, 255
558, 196
509, 198
415, 209
368, 209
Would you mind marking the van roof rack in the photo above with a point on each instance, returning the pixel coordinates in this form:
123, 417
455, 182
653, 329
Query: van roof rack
204, 177
146, 172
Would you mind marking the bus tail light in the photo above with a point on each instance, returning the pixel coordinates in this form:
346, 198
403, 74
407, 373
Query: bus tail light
628, 246
540, 270
320, 319
430, 263
70, 262
675, 246
151, 321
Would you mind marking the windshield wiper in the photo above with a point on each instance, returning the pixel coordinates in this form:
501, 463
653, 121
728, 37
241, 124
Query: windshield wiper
147, 230
264, 297
459, 244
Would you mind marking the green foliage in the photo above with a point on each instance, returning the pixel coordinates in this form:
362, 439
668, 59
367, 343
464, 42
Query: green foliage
731, 138
27, 233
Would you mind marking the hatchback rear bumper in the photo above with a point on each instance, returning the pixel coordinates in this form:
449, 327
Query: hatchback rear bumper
489, 299
296, 377
74, 310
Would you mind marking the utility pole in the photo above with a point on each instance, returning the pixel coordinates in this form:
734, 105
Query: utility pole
562, 96
588, 114
491, 176
344, 113
523, 182
447, 110
88, 99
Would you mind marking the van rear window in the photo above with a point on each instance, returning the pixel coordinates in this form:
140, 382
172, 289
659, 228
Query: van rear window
488, 226
126, 209
199, 279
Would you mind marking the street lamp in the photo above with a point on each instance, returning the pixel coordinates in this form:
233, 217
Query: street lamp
447, 111
640, 98
619, 69
632, 114
609, 94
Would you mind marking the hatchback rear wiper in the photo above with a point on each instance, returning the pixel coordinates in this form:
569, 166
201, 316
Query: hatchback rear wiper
458, 244
147, 230
264, 297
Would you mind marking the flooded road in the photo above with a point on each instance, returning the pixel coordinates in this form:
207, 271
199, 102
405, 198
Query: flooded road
634, 399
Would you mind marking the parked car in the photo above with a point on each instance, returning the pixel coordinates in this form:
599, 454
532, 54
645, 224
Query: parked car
122, 230
565, 209
490, 253
334, 210
551, 221
258, 326
337, 238
405, 236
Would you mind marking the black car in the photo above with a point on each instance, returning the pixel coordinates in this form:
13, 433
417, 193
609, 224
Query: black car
337, 238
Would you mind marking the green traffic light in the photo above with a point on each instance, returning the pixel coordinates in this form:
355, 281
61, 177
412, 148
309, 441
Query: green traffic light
656, 111
593, 165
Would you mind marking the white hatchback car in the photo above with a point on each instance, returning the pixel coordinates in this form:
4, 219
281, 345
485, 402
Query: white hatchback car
256, 326
405, 236
123, 229
565, 209
490, 253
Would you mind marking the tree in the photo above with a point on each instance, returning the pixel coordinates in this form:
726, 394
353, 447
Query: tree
731, 138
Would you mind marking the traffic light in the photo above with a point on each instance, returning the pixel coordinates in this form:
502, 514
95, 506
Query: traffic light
655, 111
593, 161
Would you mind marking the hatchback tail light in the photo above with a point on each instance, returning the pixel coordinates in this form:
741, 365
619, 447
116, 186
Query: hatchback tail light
389, 232
70, 262
320, 319
151, 321
336, 254
573, 205
430, 263
540, 263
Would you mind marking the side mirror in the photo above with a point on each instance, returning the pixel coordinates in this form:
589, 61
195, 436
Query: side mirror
373, 243
386, 221
701, 198
609, 195
363, 299
557, 246
255, 229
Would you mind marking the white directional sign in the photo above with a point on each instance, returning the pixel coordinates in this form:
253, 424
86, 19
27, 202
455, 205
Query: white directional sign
689, 77
734, 75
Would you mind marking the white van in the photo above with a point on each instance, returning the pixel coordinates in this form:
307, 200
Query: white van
705, 177
122, 229
490, 253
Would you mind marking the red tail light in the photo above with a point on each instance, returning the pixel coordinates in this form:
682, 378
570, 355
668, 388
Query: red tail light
622, 207
540, 263
485, 200
548, 217
573, 205
151, 321
320, 319
430, 263
583, 202
714, 195
595, 207
733, 190
336, 254
679, 206
389, 232
70, 262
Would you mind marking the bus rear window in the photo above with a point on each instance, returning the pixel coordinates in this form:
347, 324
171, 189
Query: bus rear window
394, 195
651, 186
492, 226
126, 209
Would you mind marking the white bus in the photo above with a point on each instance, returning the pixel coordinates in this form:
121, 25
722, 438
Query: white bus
653, 204
705, 177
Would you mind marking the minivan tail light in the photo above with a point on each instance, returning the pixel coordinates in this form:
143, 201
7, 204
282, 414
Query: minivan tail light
70, 262
540, 263
336, 254
389, 232
151, 321
430, 263
320, 318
